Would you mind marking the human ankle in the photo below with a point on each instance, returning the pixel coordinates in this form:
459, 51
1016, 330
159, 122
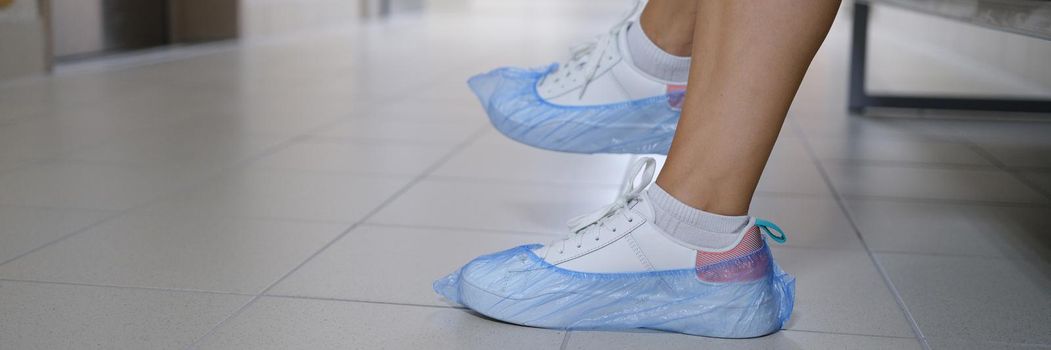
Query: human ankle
696, 227
672, 36
708, 196
650, 59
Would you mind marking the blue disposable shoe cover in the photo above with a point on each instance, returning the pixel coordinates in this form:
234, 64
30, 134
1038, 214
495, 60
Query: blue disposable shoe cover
519, 287
509, 95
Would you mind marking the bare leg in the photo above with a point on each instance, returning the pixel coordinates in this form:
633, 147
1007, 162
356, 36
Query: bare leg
749, 59
669, 24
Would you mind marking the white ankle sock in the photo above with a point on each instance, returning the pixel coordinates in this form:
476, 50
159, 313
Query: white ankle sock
693, 226
650, 59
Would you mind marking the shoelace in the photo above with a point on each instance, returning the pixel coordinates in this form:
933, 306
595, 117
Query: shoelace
630, 190
584, 58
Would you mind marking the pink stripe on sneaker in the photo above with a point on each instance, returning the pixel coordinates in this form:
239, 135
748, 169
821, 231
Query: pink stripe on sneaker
751, 269
676, 94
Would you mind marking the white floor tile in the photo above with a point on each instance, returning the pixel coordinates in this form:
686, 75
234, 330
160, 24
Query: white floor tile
1042, 179
386, 158
382, 264
835, 124
952, 229
972, 298
496, 158
242, 256
27, 228
429, 110
53, 316
815, 222
780, 340
883, 150
49, 137
404, 131
792, 175
286, 323
1004, 131
931, 183
89, 186
971, 344
840, 291
203, 149
1020, 154
303, 195
8, 165
493, 206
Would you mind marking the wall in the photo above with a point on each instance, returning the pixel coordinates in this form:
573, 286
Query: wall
964, 57
203, 20
269, 17
23, 40
80, 31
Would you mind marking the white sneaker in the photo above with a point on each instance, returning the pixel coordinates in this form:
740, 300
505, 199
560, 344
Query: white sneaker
597, 102
602, 73
623, 238
618, 270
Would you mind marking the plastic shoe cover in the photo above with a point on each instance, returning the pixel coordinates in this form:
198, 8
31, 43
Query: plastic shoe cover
519, 287
509, 95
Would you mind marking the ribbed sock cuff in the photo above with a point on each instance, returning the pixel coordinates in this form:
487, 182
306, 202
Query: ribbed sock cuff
649, 58
690, 225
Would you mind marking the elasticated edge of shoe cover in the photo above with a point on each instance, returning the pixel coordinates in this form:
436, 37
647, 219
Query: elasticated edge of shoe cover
519, 287
509, 95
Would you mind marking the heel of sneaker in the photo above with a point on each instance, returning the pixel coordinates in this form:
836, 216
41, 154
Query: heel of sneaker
759, 299
749, 260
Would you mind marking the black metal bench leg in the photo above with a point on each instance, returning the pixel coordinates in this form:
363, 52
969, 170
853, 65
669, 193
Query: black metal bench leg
858, 49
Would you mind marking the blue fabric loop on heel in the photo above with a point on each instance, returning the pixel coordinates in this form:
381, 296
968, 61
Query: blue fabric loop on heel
765, 225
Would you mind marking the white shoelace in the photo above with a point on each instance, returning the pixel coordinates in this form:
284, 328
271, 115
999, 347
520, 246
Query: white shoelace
630, 190
585, 58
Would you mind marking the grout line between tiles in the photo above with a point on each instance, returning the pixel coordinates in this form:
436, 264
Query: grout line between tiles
120, 213
947, 201
363, 301
218, 173
908, 164
114, 286
52, 207
202, 291
1011, 344
93, 225
248, 217
1020, 258
1013, 172
789, 331
453, 228
471, 179
280, 296
470, 139
997, 163
1032, 168
565, 340
352, 141
857, 232
849, 334
348, 173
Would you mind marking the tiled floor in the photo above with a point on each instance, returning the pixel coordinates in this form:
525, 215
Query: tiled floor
305, 190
